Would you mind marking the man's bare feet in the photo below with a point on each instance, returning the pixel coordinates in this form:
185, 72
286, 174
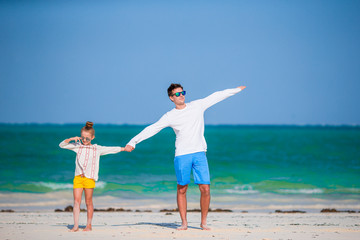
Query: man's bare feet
74, 229
88, 228
204, 227
182, 227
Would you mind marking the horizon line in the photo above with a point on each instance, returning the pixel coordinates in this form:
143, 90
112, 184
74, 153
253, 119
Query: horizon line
211, 124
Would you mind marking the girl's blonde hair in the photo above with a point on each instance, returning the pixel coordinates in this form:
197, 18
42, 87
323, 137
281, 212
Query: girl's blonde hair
89, 128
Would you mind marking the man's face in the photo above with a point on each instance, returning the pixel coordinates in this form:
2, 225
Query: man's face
177, 100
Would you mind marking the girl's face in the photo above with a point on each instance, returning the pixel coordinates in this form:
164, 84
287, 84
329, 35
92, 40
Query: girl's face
86, 137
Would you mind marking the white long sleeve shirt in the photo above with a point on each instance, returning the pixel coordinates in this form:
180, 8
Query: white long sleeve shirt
88, 157
188, 124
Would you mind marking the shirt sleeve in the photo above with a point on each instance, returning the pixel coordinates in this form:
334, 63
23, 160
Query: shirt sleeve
109, 150
218, 97
150, 131
70, 146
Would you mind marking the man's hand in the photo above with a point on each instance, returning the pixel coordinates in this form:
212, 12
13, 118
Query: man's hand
242, 87
128, 148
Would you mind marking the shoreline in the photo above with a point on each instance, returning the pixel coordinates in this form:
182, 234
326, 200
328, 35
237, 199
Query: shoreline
69, 208
48, 202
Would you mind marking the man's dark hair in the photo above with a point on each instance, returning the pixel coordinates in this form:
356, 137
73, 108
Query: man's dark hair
172, 87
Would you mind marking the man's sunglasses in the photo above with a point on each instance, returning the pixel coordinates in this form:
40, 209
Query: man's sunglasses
179, 93
85, 139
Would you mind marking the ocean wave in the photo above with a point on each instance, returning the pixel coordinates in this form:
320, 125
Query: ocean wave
62, 186
249, 189
53, 186
301, 191
100, 184
243, 189
347, 190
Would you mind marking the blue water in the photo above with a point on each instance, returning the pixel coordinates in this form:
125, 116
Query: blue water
284, 161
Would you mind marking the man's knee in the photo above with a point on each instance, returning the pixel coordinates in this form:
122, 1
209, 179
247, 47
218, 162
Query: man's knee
204, 189
182, 189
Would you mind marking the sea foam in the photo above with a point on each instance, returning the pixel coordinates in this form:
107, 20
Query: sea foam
301, 191
243, 189
63, 186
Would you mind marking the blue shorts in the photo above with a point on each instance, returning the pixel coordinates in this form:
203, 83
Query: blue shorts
195, 161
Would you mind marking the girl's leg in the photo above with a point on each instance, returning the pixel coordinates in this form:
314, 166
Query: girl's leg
90, 207
76, 209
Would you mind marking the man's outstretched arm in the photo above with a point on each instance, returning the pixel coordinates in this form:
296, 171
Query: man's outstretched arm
148, 132
220, 96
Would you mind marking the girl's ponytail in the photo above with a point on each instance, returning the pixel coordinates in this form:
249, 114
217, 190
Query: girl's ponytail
89, 125
89, 128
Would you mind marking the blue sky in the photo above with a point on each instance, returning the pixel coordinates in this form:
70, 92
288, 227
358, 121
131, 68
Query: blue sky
112, 61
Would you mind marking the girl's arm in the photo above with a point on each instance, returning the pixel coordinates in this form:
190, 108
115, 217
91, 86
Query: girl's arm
110, 150
76, 139
67, 145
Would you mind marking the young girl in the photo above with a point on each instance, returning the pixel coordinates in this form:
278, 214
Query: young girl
86, 170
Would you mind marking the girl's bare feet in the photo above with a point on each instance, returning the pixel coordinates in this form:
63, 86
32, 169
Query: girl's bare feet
74, 229
205, 227
88, 228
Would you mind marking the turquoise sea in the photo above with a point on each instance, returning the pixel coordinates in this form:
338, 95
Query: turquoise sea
253, 168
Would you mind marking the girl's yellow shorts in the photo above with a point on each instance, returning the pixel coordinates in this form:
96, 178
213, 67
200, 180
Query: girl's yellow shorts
83, 182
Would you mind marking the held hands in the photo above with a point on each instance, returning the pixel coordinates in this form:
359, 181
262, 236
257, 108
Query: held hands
128, 148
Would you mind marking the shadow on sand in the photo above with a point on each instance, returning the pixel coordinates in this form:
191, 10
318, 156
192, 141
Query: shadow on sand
166, 225
81, 227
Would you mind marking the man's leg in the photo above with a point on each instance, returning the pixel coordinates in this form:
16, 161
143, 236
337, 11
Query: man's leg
183, 170
182, 205
204, 204
202, 178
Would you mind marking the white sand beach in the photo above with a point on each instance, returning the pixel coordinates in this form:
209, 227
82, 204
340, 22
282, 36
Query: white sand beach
160, 225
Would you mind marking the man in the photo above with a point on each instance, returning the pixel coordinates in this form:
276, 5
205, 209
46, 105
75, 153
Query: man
187, 120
